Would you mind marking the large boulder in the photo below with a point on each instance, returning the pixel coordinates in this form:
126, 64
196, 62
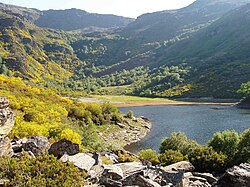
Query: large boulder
62, 147
7, 118
81, 160
237, 176
36, 144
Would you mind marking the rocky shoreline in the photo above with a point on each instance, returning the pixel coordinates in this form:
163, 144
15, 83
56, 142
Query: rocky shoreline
131, 130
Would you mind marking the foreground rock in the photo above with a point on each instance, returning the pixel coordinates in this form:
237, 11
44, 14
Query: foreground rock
7, 118
81, 160
62, 147
183, 165
36, 144
6, 124
237, 176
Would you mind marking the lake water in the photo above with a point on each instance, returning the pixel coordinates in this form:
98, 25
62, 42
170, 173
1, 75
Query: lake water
198, 122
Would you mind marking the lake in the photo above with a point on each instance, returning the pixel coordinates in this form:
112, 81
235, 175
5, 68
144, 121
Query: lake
198, 122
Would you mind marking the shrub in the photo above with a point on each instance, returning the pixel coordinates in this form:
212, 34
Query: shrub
44, 170
130, 114
149, 155
243, 154
171, 157
205, 159
178, 142
225, 142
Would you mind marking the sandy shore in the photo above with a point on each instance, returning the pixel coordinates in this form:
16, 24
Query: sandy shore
155, 103
176, 103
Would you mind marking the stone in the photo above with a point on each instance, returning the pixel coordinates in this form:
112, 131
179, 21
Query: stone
62, 147
7, 118
95, 173
138, 180
81, 160
5, 147
109, 182
208, 176
130, 168
120, 125
36, 144
183, 165
113, 172
237, 176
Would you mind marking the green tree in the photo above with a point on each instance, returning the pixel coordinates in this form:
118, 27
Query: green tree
243, 154
225, 142
178, 142
205, 159
149, 155
171, 157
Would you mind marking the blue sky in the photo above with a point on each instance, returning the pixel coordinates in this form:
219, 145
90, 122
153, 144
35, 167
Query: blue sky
128, 8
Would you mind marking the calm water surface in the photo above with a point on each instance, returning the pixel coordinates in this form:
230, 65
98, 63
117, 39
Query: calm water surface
199, 122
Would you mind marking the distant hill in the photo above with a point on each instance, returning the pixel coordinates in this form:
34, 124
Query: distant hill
70, 19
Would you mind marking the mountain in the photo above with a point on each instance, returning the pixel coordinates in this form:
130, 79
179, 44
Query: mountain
70, 19
196, 51
166, 25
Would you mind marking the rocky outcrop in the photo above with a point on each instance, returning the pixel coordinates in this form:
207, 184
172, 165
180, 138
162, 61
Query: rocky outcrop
62, 147
237, 176
6, 118
6, 123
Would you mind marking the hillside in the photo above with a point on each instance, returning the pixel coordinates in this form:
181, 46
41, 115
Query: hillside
196, 51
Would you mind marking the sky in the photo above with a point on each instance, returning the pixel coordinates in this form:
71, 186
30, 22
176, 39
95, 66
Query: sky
127, 8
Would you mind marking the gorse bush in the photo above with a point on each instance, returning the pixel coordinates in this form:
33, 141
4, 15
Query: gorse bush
41, 111
42, 171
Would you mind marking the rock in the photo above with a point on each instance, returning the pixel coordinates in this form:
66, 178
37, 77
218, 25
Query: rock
95, 173
80, 160
183, 165
140, 181
237, 176
130, 168
5, 147
62, 147
7, 118
110, 183
120, 125
17, 145
113, 172
36, 144
208, 176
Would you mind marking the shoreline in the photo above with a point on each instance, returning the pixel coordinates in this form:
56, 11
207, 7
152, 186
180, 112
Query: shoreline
173, 103
133, 101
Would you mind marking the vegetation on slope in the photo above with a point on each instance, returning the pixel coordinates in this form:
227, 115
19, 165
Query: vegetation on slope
41, 111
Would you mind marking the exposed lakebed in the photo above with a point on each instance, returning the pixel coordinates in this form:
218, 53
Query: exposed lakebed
198, 122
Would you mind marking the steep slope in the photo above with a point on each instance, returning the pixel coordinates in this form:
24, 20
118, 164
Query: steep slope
40, 55
219, 54
180, 23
